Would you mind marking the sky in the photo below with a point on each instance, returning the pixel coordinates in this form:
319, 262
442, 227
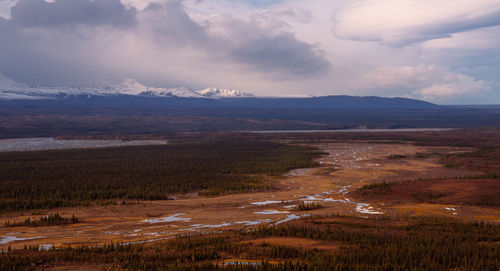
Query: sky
445, 51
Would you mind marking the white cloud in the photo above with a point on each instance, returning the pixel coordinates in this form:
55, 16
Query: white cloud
477, 39
409, 21
5, 6
274, 47
424, 81
141, 4
164, 45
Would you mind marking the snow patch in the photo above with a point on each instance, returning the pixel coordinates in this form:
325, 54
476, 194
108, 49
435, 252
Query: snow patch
9, 84
337, 200
171, 218
365, 208
268, 202
312, 198
201, 226
8, 239
223, 93
271, 212
45, 247
290, 218
452, 210
252, 223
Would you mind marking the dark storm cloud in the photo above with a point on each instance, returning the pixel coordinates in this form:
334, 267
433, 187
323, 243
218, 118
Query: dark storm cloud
33, 13
243, 42
45, 56
70, 41
170, 23
282, 52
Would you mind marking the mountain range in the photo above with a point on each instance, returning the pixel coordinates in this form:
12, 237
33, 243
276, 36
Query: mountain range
132, 93
134, 108
11, 90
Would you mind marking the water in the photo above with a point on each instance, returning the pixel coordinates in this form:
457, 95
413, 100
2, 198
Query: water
49, 143
348, 130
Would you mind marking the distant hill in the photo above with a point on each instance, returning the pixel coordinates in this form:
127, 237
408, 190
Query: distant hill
133, 108
130, 91
167, 98
338, 101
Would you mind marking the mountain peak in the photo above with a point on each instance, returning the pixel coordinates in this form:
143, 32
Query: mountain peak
130, 87
8, 84
127, 87
172, 92
212, 92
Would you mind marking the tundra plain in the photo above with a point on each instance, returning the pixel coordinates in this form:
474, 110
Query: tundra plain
349, 179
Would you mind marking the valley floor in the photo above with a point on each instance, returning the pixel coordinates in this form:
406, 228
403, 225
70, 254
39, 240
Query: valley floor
343, 170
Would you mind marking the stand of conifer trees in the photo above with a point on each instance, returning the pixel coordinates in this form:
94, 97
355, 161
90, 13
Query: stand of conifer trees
49, 179
362, 244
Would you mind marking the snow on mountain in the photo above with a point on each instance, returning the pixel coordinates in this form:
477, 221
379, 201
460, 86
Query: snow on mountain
130, 87
9, 84
172, 92
9, 89
17, 96
182, 92
223, 93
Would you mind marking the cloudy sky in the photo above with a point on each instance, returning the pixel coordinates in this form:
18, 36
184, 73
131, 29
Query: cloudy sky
445, 51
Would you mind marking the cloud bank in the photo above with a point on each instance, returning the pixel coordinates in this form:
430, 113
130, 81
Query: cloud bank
36, 13
424, 81
443, 51
408, 21
82, 39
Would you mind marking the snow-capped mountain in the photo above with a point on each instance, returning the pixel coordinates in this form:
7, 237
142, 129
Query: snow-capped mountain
171, 92
130, 87
221, 92
9, 84
9, 89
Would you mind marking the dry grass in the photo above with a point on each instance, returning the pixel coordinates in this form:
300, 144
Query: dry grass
102, 224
